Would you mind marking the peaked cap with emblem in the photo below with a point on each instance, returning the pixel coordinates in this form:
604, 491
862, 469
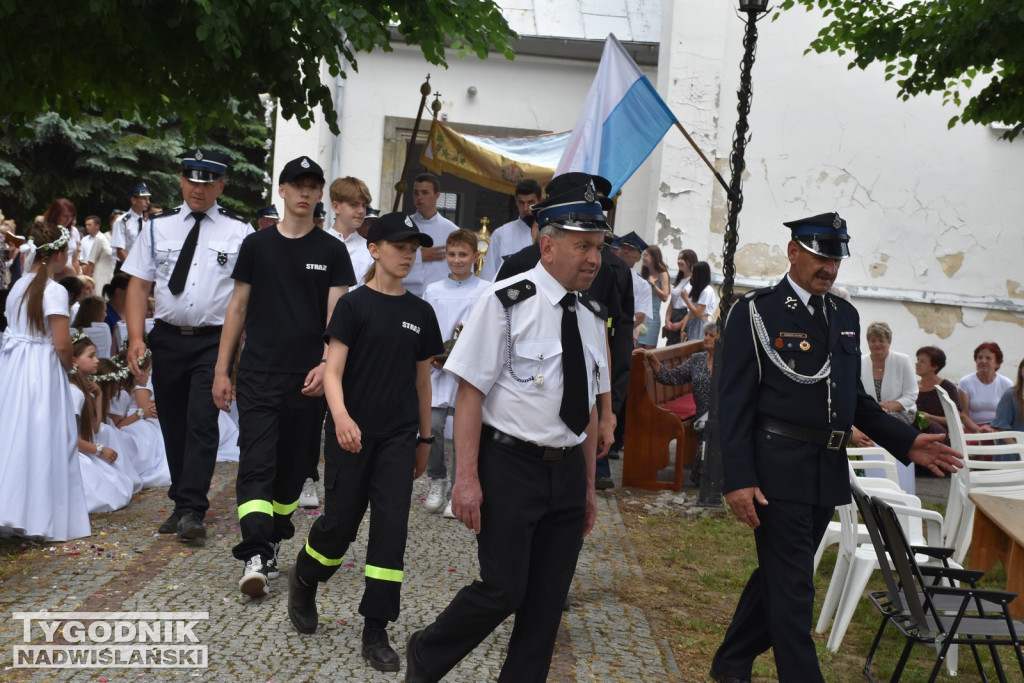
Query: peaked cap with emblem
633, 240
397, 227
574, 202
824, 235
203, 165
296, 168
139, 190
268, 212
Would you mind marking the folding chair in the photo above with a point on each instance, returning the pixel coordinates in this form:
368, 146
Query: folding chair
938, 615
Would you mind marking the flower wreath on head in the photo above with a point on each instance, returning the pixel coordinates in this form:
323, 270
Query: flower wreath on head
78, 336
29, 248
120, 374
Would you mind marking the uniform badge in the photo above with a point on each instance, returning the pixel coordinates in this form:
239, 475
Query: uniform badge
199, 155
791, 303
837, 222
594, 305
408, 222
512, 294
589, 194
779, 343
222, 258
305, 163
805, 345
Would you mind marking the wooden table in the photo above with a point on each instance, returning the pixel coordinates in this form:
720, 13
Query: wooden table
999, 535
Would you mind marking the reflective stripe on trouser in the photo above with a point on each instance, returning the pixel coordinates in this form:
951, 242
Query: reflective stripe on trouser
275, 422
380, 476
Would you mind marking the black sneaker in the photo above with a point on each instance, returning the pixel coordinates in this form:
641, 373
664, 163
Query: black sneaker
170, 525
254, 578
301, 604
377, 649
273, 570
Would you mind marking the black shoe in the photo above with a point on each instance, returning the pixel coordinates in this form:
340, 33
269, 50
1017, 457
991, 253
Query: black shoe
603, 483
170, 525
614, 455
301, 604
273, 569
377, 649
413, 672
254, 578
724, 678
190, 528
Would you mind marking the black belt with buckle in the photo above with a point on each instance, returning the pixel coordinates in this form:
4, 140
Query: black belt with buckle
833, 440
189, 331
543, 452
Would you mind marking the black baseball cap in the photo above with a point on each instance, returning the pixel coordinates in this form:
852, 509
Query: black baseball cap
297, 168
397, 227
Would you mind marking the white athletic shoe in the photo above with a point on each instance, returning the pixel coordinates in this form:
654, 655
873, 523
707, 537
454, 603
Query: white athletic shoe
435, 498
448, 514
308, 497
254, 578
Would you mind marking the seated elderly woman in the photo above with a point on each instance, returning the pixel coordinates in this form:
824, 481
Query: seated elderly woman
930, 360
697, 371
889, 377
980, 391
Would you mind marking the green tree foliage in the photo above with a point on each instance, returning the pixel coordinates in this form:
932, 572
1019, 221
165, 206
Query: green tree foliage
189, 59
969, 50
93, 162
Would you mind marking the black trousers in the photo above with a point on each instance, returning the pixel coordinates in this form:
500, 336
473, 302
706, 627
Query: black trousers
531, 534
183, 386
278, 427
776, 608
379, 476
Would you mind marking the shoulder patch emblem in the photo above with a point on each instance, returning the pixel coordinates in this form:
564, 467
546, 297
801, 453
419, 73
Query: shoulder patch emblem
515, 293
166, 212
791, 303
231, 214
595, 306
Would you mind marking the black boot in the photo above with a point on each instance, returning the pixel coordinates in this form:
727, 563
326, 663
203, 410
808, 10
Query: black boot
301, 603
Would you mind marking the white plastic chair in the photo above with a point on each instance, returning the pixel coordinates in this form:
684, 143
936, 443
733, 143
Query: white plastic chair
875, 463
99, 333
1005, 478
857, 559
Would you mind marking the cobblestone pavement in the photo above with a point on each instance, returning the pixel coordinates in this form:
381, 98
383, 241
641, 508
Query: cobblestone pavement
125, 566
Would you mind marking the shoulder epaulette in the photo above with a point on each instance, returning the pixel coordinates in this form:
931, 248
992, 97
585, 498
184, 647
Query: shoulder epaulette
593, 305
232, 214
515, 293
761, 291
166, 212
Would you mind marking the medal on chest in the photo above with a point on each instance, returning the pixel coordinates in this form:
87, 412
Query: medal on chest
222, 258
538, 377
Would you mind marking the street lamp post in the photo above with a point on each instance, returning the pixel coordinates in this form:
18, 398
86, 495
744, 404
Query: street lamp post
711, 477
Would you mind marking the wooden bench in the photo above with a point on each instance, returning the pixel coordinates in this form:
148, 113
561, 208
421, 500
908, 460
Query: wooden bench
650, 427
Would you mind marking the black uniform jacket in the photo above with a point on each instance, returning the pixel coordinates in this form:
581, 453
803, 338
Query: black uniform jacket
785, 468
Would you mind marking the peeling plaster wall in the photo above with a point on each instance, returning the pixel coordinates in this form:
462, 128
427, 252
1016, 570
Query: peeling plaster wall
929, 209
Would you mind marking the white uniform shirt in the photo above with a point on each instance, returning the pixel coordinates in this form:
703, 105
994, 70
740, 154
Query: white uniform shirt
452, 301
208, 289
506, 240
101, 260
481, 357
84, 246
126, 231
422, 274
357, 253
643, 301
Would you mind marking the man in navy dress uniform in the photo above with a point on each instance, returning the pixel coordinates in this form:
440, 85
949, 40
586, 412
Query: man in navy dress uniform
791, 392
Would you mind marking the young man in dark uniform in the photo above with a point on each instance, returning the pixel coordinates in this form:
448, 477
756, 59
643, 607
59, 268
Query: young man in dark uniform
531, 362
186, 254
288, 277
791, 392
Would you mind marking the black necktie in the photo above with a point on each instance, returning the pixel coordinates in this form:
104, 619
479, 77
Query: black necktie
818, 304
575, 410
180, 273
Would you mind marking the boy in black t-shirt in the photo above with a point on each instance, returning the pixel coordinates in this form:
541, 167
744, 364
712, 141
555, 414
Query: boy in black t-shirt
288, 277
381, 339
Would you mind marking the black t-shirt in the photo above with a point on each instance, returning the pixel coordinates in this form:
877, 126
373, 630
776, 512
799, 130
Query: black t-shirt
386, 335
290, 280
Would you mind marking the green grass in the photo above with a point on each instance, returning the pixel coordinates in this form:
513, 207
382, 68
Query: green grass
695, 568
